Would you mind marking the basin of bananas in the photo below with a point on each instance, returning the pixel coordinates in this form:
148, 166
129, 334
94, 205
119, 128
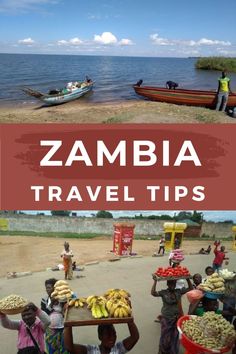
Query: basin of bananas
112, 307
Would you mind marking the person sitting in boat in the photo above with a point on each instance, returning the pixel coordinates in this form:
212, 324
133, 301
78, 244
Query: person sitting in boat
87, 80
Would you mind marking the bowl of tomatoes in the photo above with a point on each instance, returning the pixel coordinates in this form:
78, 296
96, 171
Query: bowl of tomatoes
169, 273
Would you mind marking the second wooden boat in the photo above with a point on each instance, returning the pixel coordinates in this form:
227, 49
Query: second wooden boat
181, 96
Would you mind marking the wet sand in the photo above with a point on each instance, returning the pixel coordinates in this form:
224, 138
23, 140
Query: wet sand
111, 113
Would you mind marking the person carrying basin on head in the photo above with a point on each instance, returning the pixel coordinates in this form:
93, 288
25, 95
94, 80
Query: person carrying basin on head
107, 336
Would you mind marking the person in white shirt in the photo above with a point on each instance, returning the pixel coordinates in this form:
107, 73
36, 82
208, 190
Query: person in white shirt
107, 336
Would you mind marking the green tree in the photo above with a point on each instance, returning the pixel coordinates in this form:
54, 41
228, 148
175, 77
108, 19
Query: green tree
60, 212
182, 215
197, 217
104, 214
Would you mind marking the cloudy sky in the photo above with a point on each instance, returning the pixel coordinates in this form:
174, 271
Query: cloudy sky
118, 27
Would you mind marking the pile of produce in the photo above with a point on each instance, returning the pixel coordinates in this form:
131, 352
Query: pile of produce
114, 303
211, 331
62, 291
214, 284
118, 303
97, 304
227, 274
172, 273
80, 302
12, 302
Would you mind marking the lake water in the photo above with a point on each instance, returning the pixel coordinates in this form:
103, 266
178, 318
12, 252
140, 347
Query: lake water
114, 76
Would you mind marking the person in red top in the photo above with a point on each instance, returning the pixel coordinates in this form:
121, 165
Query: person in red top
219, 257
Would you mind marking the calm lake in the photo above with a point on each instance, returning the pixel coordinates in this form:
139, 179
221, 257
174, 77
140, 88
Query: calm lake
114, 76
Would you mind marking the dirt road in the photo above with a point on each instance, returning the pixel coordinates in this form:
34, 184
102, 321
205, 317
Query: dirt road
27, 253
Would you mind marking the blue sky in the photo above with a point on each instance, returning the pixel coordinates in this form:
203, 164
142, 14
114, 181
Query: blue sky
216, 216
118, 27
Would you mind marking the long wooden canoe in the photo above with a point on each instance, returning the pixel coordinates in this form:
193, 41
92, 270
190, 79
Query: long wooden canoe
61, 97
182, 97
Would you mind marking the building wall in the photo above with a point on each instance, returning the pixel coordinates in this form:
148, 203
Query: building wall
147, 228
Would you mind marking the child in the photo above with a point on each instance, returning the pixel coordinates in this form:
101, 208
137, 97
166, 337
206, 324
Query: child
54, 333
30, 329
197, 279
46, 301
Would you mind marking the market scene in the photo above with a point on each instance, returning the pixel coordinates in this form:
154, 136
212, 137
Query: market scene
171, 294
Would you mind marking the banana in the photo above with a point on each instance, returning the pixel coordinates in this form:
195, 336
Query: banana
109, 304
93, 310
72, 302
103, 310
128, 310
124, 293
76, 303
117, 312
91, 299
112, 310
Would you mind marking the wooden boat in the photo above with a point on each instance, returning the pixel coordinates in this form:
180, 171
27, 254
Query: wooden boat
55, 97
182, 96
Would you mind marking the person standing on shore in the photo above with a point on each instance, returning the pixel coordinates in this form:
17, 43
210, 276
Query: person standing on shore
67, 255
223, 91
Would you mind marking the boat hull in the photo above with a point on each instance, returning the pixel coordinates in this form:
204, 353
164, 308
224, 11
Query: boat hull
52, 100
182, 97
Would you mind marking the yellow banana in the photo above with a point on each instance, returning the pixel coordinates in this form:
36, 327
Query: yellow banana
99, 311
117, 312
109, 305
72, 302
93, 310
112, 310
103, 310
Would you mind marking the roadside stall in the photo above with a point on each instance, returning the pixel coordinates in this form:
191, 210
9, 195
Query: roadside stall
174, 233
123, 238
234, 238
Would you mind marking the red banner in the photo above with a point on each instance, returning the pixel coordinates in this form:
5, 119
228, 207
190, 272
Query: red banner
128, 167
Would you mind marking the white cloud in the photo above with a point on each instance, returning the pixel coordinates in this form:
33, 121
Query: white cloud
205, 41
105, 38
125, 41
23, 5
26, 41
189, 43
71, 42
159, 40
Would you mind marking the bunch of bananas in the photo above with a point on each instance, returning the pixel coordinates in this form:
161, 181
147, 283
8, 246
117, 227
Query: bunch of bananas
77, 302
119, 307
61, 291
116, 293
97, 304
118, 303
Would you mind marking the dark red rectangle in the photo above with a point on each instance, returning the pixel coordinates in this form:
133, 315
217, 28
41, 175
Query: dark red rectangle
21, 153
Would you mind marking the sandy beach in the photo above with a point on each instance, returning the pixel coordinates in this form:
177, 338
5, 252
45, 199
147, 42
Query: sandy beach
133, 111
